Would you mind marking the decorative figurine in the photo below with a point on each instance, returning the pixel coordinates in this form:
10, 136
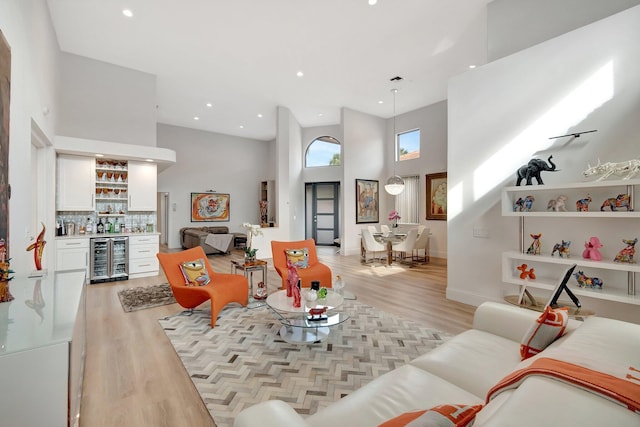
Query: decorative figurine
561, 248
629, 168
297, 296
518, 206
582, 205
292, 278
528, 203
559, 204
38, 247
587, 282
626, 254
318, 311
532, 170
621, 201
524, 273
534, 249
591, 249
261, 292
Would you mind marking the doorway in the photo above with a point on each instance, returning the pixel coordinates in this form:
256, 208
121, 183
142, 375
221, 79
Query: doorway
322, 203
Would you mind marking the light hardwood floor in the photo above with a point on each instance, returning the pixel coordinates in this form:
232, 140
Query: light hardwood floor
133, 377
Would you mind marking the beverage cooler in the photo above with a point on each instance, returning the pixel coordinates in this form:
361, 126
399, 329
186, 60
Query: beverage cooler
109, 259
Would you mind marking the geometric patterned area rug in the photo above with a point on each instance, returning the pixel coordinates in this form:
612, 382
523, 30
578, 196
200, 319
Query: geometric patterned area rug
243, 360
142, 297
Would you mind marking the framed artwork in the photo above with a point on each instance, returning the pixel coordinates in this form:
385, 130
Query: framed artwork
5, 86
367, 201
207, 207
437, 196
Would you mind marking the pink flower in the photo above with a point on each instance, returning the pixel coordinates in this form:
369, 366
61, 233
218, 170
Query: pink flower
394, 215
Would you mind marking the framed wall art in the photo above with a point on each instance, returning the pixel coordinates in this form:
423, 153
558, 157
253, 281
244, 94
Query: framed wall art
437, 196
366, 201
207, 207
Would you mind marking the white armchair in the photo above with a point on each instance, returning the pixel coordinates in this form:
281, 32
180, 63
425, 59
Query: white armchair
420, 250
385, 229
406, 246
372, 246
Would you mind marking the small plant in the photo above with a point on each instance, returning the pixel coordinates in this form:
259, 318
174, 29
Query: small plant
394, 216
252, 230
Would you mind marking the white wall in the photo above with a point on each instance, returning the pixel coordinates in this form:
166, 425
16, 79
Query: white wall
502, 114
210, 161
106, 102
514, 25
34, 70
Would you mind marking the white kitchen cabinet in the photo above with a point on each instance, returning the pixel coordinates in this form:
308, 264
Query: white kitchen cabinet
142, 255
72, 254
143, 184
575, 226
75, 186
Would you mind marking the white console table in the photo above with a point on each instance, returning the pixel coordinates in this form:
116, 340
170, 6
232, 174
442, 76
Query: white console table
42, 345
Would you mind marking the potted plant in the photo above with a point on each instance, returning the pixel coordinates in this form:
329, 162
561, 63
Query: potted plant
252, 230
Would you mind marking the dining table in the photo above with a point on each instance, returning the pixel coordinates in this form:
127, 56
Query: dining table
388, 239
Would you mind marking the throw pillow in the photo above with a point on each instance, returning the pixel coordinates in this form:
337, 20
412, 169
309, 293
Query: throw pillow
438, 416
195, 272
298, 257
546, 329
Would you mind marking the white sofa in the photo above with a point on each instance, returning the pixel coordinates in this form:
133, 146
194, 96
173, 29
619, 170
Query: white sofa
462, 370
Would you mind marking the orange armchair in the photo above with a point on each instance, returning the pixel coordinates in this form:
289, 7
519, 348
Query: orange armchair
223, 288
315, 271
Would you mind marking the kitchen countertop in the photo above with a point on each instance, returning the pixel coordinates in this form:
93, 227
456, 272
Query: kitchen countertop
96, 235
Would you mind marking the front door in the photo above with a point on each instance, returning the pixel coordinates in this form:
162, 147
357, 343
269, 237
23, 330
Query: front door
322, 219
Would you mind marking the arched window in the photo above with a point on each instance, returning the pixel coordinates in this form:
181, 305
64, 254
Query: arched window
323, 151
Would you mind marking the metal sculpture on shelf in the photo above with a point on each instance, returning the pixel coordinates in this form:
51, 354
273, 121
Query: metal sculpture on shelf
533, 169
627, 169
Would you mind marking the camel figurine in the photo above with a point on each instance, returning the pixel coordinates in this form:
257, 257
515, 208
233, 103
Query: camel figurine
591, 249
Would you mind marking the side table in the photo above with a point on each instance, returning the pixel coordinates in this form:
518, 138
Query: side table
249, 268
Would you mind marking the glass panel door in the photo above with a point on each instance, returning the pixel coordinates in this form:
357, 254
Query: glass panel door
322, 212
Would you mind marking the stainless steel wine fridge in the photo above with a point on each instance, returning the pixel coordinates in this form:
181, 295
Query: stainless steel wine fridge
109, 259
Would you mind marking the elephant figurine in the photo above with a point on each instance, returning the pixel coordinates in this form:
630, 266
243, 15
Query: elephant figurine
532, 170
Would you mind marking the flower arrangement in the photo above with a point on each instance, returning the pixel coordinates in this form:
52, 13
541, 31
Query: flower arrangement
252, 230
394, 216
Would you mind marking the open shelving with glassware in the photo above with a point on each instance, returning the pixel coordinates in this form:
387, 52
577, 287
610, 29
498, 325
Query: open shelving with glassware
577, 226
111, 188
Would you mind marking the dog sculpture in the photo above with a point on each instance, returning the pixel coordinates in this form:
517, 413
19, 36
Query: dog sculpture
591, 249
534, 249
561, 248
626, 254
524, 273
559, 204
614, 203
587, 282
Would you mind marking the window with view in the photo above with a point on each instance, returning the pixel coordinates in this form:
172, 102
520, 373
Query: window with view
323, 151
408, 144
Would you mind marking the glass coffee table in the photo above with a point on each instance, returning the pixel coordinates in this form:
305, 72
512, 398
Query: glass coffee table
298, 327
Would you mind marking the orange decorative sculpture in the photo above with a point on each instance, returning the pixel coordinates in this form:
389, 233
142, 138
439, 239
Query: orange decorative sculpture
38, 248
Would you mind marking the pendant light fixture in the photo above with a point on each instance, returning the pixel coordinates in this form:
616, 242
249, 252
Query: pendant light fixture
395, 184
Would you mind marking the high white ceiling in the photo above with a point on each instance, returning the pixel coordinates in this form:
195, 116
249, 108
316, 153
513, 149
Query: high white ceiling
243, 55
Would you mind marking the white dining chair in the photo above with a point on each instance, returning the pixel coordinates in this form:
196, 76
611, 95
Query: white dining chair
372, 246
421, 228
420, 250
406, 246
372, 229
385, 229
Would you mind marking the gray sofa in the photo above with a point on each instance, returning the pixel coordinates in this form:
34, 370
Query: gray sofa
196, 236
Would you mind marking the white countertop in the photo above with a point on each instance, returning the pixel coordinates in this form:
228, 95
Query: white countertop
43, 312
96, 235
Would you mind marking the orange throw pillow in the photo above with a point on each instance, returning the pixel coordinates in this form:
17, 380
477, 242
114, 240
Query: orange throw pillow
438, 416
547, 328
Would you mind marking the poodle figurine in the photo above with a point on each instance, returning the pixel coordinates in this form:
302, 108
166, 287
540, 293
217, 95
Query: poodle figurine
626, 254
591, 249
524, 273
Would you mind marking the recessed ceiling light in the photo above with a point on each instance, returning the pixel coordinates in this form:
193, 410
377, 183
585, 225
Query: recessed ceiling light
99, 155
149, 160
299, 74
209, 104
320, 115
372, 2
380, 102
472, 66
127, 12
259, 116
196, 118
